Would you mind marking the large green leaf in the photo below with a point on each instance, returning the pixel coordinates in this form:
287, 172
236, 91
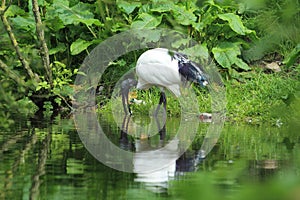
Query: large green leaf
79, 45
198, 51
146, 20
226, 54
14, 10
80, 13
162, 6
128, 7
183, 15
235, 23
25, 23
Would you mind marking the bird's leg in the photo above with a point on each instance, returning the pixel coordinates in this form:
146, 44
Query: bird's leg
163, 95
162, 100
128, 106
125, 101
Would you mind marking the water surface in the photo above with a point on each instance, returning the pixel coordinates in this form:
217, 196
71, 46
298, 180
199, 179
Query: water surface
47, 160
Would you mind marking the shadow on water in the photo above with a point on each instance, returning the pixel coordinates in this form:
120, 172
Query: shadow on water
43, 160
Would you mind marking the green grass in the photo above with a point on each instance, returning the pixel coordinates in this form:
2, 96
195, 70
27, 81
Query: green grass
151, 98
259, 98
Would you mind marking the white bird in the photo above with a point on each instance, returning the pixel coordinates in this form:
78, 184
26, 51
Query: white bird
167, 69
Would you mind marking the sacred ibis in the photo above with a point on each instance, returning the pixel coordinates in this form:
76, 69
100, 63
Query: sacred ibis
167, 70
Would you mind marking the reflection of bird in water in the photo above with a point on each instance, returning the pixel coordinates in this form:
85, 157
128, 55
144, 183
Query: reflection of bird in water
153, 167
165, 69
124, 141
156, 165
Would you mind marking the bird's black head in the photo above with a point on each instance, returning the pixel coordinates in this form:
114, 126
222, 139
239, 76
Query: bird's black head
190, 70
201, 77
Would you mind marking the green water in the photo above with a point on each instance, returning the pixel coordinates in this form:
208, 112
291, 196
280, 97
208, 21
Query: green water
43, 160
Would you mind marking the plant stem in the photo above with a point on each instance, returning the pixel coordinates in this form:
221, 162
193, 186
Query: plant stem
66, 102
93, 33
41, 36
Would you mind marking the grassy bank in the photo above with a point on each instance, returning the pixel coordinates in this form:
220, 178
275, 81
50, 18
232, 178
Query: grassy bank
256, 97
262, 97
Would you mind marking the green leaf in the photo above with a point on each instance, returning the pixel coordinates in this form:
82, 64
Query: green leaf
206, 20
226, 54
235, 23
241, 64
79, 45
90, 22
54, 24
162, 6
146, 20
292, 57
14, 10
145, 37
59, 48
58, 101
81, 73
77, 72
25, 23
184, 16
198, 51
74, 15
180, 42
128, 7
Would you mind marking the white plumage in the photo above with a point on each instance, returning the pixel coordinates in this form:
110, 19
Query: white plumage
156, 67
166, 69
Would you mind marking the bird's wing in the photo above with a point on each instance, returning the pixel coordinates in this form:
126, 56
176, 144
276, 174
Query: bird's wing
157, 74
158, 68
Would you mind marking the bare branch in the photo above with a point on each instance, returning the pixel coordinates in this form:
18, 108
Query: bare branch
41, 36
3, 7
17, 48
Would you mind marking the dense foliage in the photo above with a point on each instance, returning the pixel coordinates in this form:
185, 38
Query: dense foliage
44, 42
